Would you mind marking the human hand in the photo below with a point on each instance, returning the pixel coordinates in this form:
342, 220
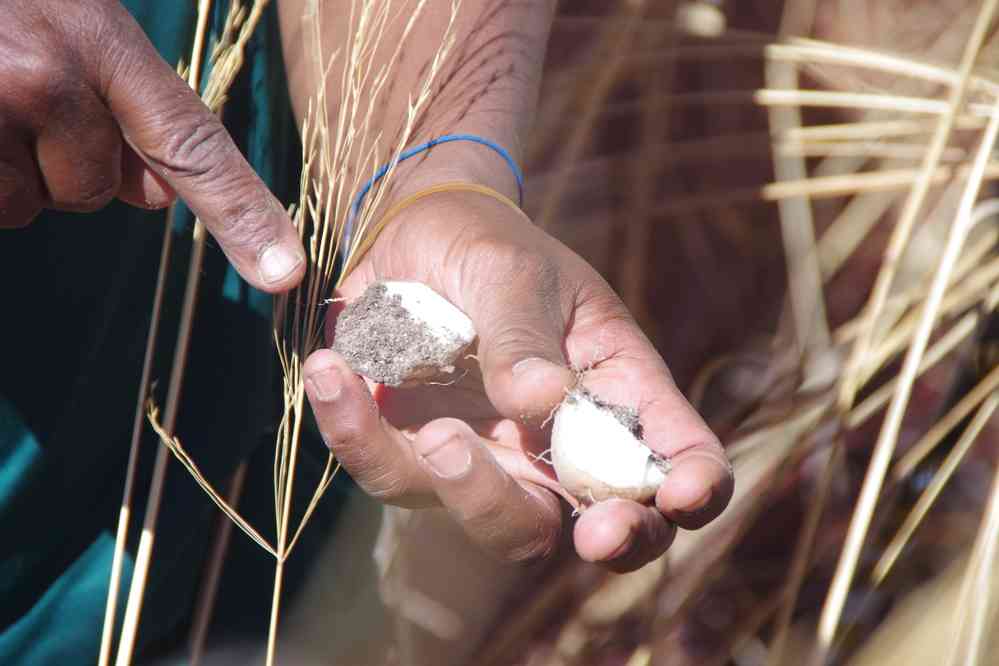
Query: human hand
90, 111
471, 446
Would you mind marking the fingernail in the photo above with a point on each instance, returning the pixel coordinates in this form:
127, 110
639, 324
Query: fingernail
325, 385
450, 460
696, 480
278, 262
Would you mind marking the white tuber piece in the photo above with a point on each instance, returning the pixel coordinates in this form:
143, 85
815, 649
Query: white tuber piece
597, 454
425, 305
402, 332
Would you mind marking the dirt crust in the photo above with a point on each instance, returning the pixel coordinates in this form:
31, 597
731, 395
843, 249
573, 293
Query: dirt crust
381, 340
626, 416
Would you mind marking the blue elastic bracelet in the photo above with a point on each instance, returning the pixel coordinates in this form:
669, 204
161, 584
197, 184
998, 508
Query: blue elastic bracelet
416, 150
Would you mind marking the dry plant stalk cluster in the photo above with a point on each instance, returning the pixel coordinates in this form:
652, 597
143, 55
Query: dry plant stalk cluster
227, 59
882, 163
342, 149
880, 191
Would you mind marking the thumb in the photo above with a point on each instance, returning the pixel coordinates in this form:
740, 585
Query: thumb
513, 520
187, 145
517, 311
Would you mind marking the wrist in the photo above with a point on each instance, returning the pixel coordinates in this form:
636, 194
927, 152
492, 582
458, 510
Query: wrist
465, 172
459, 172
456, 161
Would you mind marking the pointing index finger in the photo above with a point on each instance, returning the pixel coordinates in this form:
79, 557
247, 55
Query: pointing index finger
186, 144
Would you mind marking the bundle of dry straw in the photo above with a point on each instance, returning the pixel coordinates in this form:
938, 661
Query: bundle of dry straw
796, 205
342, 147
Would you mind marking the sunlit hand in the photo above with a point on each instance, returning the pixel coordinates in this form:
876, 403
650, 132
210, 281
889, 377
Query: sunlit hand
541, 312
89, 111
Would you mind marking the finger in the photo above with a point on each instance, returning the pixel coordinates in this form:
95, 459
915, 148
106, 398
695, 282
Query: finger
503, 279
21, 190
79, 155
622, 535
377, 456
140, 186
515, 522
628, 371
187, 145
513, 293
700, 482
698, 487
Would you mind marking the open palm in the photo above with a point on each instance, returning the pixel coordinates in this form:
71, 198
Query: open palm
472, 444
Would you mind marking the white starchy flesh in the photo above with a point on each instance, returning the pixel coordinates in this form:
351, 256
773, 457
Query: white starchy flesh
427, 306
399, 333
597, 456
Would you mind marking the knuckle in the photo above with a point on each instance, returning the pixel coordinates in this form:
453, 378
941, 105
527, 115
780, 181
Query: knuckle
14, 215
47, 61
618, 324
83, 27
485, 511
618, 334
538, 549
19, 203
78, 22
10, 181
497, 265
96, 197
344, 442
385, 485
93, 201
598, 297
69, 34
490, 526
380, 477
514, 338
243, 221
36, 84
390, 481
487, 519
489, 523
507, 260
192, 147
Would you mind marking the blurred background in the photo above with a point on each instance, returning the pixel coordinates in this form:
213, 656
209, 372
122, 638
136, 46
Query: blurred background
739, 171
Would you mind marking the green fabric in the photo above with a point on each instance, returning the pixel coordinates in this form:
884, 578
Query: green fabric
77, 292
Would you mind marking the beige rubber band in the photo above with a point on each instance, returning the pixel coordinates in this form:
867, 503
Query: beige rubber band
371, 236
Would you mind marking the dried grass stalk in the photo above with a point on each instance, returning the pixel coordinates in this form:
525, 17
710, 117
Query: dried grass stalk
889, 432
946, 304
227, 59
976, 601
940, 478
337, 160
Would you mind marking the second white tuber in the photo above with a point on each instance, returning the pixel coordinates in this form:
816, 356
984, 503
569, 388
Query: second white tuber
598, 453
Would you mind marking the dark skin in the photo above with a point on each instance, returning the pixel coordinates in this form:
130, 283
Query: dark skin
541, 313
491, 424
89, 112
